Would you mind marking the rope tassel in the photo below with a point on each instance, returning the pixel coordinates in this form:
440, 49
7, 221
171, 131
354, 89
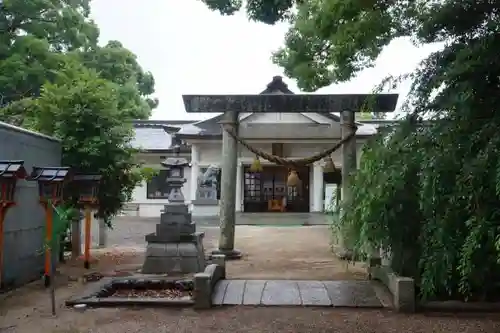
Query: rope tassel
256, 166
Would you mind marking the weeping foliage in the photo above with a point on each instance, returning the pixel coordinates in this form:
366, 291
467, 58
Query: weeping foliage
429, 195
428, 191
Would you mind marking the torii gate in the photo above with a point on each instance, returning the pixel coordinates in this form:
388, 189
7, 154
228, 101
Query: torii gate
231, 105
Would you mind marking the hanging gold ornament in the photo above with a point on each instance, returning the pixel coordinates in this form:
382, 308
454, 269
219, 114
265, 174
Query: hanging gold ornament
329, 165
256, 166
293, 179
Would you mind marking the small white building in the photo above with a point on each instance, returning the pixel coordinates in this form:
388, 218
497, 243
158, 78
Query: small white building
155, 140
289, 135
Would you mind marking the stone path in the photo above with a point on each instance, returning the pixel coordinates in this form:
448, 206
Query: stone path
299, 293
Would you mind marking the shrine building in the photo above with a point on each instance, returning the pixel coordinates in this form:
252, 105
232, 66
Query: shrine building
289, 135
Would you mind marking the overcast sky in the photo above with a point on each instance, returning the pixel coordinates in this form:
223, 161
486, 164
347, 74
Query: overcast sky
191, 50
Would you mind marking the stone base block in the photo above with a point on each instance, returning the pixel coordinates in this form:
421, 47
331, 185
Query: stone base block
176, 228
228, 254
174, 258
402, 288
174, 238
176, 209
175, 218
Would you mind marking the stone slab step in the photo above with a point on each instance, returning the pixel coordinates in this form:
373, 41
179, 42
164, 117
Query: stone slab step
359, 294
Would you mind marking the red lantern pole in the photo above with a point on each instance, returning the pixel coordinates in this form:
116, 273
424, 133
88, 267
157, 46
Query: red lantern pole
50, 186
7, 201
88, 221
88, 186
4, 206
48, 240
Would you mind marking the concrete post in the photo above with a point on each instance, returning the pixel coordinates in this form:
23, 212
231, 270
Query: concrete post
239, 177
349, 165
103, 233
76, 239
318, 202
195, 171
228, 188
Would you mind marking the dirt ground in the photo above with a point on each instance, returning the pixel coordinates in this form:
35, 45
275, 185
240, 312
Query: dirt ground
299, 253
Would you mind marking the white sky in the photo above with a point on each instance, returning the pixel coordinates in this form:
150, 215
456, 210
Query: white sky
191, 50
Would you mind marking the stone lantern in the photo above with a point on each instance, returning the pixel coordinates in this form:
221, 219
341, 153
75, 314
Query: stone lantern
175, 247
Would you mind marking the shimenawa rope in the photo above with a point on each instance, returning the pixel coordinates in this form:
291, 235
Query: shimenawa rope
287, 162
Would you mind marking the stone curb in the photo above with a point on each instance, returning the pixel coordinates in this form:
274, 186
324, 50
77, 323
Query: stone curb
401, 288
122, 302
90, 296
204, 283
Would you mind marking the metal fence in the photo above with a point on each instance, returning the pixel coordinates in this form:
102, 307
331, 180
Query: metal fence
23, 259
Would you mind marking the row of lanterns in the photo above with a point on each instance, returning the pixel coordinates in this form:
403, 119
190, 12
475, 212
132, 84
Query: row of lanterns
293, 177
51, 182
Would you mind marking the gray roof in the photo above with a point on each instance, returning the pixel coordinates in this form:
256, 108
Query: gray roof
151, 139
156, 135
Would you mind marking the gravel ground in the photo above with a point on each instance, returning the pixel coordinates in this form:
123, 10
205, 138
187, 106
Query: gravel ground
253, 320
27, 310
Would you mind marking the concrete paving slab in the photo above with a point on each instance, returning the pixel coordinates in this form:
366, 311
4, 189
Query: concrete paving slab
289, 292
314, 293
234, 292
353, 294
219, 292
281, 293
253, 292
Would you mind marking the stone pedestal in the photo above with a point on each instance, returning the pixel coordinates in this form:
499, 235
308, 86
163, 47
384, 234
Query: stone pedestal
175, 247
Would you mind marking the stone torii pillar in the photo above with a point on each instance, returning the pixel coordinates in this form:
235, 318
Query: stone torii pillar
349, 166
228, 188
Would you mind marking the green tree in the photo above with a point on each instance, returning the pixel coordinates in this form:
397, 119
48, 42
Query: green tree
426, 191
54, 78
37, 37
33, 34
82, 110
267, 11
117, 64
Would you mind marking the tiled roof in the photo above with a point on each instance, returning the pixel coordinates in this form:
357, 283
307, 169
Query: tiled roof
155, 135
148, 138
